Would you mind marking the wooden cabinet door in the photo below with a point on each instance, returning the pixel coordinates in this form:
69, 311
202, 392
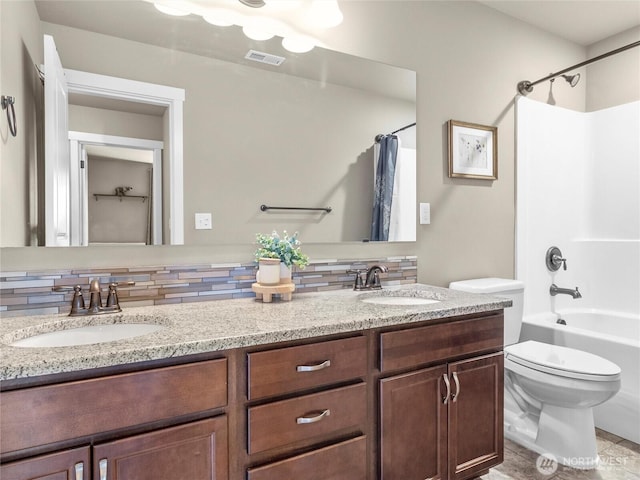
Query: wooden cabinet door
413, 426
67, 465
196, 451
475, 415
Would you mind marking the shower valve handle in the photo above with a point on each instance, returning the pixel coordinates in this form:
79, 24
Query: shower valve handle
554, 259
557, 259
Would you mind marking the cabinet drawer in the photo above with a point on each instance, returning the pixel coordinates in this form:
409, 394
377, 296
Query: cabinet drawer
418, 346
301, 419
52, 413
344, 461
286, 370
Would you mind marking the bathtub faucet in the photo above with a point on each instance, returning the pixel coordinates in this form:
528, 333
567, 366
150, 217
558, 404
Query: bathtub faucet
555, 290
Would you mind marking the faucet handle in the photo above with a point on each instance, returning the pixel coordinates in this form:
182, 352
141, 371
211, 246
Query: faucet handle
77, 303
359, 282
112, 297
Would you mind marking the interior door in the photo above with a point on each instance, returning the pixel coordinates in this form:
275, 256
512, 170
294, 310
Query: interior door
56, 149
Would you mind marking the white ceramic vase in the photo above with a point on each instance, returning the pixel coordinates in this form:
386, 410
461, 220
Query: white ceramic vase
285, 274
268, 271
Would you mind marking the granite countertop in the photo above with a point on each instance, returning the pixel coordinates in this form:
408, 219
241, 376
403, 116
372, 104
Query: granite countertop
224, 324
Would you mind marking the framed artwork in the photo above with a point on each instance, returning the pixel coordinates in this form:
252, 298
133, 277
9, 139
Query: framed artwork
473, 151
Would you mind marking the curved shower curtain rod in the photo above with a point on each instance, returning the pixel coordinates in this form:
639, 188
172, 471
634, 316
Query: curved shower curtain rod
380, 135
526, 86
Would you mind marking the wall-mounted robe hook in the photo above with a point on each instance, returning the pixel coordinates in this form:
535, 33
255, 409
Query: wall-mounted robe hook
7, 104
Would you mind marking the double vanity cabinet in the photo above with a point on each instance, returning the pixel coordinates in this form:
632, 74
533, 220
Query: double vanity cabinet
398, 401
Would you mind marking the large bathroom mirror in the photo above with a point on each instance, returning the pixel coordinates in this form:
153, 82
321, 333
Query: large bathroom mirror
298, 135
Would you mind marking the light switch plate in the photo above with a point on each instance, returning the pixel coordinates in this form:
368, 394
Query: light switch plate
425, 213
203, 221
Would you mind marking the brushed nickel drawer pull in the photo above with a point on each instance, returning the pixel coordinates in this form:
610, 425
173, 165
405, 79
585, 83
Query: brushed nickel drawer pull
317, 418
103, 469
313, 368
445, 399
454, 397
79, 467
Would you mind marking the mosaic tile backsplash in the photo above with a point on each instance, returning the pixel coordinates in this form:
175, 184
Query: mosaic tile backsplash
30, 293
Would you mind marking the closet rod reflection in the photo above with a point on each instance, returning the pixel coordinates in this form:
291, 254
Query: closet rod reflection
264, 208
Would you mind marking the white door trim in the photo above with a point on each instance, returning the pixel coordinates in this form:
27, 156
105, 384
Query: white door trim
77, 140
142, 92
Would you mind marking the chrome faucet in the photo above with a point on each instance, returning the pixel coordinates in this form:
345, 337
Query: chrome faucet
95, 299
555, 290
369, 279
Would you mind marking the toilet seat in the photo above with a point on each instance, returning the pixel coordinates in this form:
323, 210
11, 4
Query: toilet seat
562, 361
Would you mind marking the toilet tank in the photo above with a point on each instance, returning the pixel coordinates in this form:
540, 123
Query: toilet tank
500, 287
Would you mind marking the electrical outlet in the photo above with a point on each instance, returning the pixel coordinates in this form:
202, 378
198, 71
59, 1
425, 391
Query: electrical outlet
203, 221
425, 213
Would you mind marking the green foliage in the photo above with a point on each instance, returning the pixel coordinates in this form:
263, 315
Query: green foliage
285, 248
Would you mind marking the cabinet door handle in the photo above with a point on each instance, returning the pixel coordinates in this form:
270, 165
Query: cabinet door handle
313, 368
79, 468
445, 399
317, 418
103, 469
454, 397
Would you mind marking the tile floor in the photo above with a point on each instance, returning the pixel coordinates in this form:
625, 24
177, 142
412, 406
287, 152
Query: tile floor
619, 460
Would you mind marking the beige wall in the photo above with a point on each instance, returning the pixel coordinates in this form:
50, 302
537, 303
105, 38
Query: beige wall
614, 80
114, 122
21, 48
112, 219
469, 59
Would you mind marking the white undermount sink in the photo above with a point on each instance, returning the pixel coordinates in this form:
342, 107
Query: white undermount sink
88, 335
399, 300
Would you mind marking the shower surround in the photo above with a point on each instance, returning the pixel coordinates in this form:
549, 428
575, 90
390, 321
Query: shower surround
578, 188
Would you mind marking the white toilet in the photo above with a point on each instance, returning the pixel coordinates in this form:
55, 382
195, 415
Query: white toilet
549, 390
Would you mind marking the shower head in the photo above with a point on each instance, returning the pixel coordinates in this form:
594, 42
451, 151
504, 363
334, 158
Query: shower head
526, 86
572, 79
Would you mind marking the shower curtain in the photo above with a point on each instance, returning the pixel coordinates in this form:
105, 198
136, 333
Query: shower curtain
385, 171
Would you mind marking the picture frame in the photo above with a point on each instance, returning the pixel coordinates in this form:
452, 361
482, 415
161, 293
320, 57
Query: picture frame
473, 150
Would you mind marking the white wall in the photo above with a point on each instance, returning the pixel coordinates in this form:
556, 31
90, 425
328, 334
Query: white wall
578, 189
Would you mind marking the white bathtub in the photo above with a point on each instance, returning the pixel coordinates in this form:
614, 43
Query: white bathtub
612, 335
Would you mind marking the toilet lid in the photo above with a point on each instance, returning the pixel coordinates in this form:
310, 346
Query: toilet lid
564, 361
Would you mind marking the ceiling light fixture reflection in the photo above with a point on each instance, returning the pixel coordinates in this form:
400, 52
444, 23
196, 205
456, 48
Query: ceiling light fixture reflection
325, 13
171, 10
282, 5
222, 17
256, 33
298, 44
292, 20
